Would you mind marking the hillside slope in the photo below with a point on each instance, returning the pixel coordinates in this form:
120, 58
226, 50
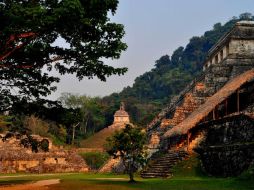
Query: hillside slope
99, 139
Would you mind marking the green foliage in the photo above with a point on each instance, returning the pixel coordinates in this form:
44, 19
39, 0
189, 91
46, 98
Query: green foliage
95, 160
87, 113
5, 122
189, 168
128, 145
57, 134
247, 174
44, 145
28, 32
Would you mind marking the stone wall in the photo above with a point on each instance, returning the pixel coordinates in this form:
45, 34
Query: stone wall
242, 48
15, 158
114, 165
228, 148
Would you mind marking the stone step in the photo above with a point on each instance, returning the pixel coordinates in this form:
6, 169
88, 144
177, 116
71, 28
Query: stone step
169, 157
166, 162
156, 171
161, 166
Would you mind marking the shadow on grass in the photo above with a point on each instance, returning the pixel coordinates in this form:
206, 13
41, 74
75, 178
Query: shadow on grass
11, 182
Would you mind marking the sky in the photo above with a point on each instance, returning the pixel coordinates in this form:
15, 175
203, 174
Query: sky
154, 28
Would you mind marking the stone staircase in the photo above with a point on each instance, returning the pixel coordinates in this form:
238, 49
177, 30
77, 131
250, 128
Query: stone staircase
189, 104
111, 165
160, 167
196, 85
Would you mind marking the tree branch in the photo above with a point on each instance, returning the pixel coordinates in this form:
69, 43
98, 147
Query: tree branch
13, 38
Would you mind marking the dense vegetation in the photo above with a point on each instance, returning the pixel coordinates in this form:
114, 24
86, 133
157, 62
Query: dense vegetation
149, 93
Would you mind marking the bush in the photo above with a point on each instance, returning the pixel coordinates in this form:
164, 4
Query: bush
95, 160
44, 145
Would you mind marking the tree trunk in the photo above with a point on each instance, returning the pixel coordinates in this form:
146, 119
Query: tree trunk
131, 177
73, 134
85, 126
131, 174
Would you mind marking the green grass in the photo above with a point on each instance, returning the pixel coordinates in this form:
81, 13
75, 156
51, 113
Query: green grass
187, 176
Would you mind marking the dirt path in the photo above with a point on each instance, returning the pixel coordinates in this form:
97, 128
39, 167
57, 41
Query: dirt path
33, 175
39, 185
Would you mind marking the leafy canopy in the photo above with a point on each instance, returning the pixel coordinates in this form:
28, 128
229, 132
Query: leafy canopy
128, 144
29, 30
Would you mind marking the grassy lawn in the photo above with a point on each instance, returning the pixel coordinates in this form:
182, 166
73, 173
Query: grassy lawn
187, 176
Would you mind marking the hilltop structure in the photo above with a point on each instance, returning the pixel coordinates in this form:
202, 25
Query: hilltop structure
121, 116
214, 114
98, 140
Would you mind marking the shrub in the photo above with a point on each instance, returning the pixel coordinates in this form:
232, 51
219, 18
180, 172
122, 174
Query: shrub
44, 145
95, 160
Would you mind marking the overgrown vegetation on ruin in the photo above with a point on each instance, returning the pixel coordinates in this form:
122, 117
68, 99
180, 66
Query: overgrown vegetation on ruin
95, 160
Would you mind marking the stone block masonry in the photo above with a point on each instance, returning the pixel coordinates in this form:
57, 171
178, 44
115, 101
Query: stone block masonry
15, 158
228, 147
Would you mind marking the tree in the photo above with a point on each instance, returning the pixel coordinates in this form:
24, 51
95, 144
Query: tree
28, 31
128, 144
246, 16
90, 116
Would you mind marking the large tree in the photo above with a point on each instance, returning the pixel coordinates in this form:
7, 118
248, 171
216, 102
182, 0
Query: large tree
28, 31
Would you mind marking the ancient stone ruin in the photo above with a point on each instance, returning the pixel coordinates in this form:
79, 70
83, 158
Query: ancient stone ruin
14, 157
121, 116
218, 104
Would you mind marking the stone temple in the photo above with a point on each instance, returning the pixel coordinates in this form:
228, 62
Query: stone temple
214, 115
121, 116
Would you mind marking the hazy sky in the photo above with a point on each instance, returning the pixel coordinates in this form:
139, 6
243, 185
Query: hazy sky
155, 28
